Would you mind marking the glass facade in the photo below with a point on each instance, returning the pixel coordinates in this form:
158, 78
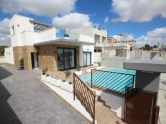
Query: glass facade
66, 58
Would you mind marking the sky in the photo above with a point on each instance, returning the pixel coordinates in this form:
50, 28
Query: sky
142, 20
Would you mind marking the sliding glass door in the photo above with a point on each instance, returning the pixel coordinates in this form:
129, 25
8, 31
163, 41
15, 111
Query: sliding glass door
66, 58
86, 58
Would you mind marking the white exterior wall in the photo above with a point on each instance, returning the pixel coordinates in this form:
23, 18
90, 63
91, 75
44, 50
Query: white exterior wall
24, 33
97, 56
115, 102
2, 59
86, 48
86, 38
83, 31
21, 24
9, 58
47, 35
89, 32
101, 33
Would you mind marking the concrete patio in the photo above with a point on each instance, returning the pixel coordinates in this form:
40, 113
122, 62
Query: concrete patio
26, 100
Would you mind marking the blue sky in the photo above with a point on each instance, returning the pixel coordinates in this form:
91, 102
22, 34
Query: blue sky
132, 17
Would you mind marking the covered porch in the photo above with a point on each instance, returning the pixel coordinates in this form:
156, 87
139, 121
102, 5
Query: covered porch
64, 54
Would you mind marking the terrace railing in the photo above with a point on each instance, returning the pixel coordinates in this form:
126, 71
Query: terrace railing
85, 95
114, 82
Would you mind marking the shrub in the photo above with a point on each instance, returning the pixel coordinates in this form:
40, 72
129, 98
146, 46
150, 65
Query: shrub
47, 75
78, 68
99, 63
70, 82
67, 73
44, 71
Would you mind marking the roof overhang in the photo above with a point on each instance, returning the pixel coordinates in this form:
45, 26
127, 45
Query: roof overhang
146, 65
40, 25
64, 42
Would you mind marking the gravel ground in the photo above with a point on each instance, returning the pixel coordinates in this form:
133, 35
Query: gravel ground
26, 100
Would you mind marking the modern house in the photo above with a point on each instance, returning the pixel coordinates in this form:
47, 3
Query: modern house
119, 45
40, 46
99, 34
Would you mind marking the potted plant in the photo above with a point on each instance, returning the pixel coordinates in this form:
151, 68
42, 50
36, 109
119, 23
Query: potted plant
55, 81
47, 78
67, 86
21, 64
43, 76
67, 74
70, 87
88, 69
99, 66
79, 71
58, 82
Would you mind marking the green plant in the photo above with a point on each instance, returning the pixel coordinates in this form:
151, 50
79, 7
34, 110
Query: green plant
99, 63
70, 82
67, 73
47, 75
78, 68
44, 71
21, 63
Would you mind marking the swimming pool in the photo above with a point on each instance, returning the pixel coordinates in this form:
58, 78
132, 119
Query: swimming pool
113, 79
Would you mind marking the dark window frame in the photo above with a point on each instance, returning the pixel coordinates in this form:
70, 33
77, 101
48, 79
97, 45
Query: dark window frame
75, 58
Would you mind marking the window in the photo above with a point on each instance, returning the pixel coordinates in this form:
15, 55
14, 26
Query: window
86, 58
66, 58
13, 32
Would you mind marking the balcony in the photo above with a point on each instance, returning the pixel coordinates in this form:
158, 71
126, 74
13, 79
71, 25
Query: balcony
62, 34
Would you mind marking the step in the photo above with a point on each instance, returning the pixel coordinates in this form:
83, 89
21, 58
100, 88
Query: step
100, 108
104, 115
105, 119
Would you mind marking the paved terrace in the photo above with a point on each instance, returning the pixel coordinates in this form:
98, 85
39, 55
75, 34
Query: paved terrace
26, 100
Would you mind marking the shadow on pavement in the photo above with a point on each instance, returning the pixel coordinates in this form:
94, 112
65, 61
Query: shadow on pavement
7, 115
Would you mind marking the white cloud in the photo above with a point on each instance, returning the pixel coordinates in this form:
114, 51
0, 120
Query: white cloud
49, 8
4, 32
138, 10
72, 20
153, 37
106, 20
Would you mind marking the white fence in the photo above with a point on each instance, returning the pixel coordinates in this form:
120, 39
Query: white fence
9, 58
2, 59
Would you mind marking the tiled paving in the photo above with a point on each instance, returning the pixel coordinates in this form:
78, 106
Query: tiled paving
26, 100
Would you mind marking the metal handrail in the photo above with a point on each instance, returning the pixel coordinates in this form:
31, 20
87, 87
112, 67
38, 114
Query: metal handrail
85, 95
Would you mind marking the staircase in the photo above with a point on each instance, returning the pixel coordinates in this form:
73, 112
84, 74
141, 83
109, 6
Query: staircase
104, 114
94, 105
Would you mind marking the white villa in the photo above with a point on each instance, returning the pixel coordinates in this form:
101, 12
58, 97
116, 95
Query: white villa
128, 94
40, 45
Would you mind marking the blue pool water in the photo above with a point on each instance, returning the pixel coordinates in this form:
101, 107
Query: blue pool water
114, 79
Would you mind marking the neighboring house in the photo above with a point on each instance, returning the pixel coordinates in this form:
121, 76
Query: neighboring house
98, 34
39, 45
120, 46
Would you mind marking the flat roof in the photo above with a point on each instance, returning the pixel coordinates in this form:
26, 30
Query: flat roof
146, 65
64, 42
39, 25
